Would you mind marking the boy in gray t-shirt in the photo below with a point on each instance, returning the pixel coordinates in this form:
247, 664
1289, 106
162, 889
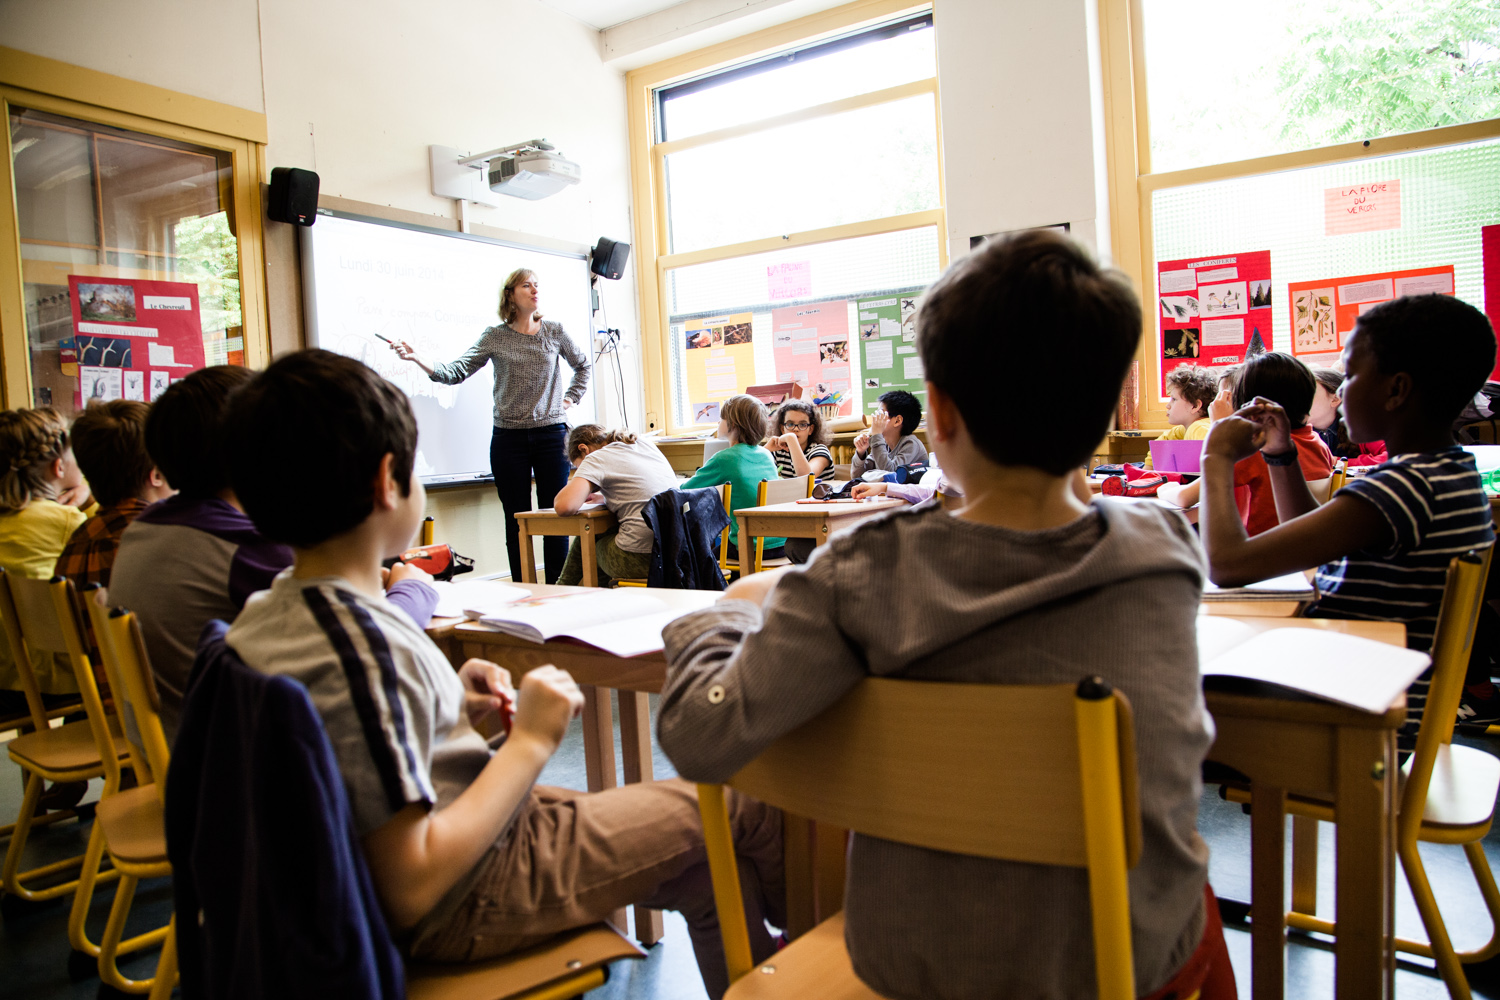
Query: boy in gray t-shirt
469, 859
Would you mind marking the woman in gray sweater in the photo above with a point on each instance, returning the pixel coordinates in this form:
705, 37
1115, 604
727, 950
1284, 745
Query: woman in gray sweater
530, 434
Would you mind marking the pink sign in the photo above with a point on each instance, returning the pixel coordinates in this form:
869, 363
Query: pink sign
1361, 208
790, 281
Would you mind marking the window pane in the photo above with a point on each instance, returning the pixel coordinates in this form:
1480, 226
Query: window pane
799, 80
1226, 82
100, 203
1446, 195
845, 269
851, 167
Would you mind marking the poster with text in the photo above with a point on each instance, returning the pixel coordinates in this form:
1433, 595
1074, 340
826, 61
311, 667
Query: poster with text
130, 332
720, 361
811, 346
1489, 238
1213, 311
1323, 311
888, 350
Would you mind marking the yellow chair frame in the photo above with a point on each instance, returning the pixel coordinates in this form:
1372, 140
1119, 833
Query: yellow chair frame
1037, 773
1448, 795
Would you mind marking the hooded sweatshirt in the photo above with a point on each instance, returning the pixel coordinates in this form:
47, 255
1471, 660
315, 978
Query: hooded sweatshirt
921, 594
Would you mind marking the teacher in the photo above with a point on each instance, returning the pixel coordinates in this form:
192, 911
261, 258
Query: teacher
530, 434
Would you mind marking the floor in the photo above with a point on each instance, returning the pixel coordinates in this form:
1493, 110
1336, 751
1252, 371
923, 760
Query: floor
35, 957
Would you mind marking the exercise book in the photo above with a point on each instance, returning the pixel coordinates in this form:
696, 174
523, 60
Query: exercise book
622, 622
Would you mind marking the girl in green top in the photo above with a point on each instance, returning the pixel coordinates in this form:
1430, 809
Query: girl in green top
742, 422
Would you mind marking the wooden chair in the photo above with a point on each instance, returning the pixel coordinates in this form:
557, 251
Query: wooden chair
1448, 793
132, 821
65, 754
779, 491
1037, 773
724, 566
35, 718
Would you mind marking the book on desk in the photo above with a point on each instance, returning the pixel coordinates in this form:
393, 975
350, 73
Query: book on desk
1291, 587
622, 622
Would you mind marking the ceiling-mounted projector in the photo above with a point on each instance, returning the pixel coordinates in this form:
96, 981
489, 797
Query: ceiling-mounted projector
532, 174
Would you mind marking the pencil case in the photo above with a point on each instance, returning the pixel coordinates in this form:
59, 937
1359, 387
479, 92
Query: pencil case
439, 561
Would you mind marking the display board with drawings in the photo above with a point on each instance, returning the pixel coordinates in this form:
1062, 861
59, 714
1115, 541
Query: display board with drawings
438, 291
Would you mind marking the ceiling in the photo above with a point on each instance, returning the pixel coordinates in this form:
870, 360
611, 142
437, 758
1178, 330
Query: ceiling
601, 14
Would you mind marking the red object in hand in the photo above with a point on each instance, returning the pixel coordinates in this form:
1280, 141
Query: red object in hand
1115, 486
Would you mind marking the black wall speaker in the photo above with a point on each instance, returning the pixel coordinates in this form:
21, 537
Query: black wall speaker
608, 259
294, 196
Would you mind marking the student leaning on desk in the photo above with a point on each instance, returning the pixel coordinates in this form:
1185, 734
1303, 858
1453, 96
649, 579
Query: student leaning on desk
1382, 545
1015, 588
627, 472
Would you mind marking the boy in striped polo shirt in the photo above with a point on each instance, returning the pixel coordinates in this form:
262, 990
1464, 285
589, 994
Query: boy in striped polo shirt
1382, 544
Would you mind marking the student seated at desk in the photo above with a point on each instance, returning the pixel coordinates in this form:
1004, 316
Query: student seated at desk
627, 472
469, 860
1190, 391
1288, 382
891, 441
1382, 544
799, 442
1016, 588
742, 422
1324, 418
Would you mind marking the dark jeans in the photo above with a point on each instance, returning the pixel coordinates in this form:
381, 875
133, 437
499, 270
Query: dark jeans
515, 457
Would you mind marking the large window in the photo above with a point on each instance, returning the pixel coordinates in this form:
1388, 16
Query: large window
1348, 142
789, 187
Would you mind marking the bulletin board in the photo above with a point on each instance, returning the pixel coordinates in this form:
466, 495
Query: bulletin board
1213, 311
811, 346
887, 348
719, 361
1323, 312
132, 337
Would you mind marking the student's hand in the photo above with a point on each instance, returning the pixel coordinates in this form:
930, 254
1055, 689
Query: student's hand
594, 497
487, 690
878, 420
1233, 438
862, 490
1273, 421
757, 586
548, 701
75, 496
862, 442
403, 571
1222, 406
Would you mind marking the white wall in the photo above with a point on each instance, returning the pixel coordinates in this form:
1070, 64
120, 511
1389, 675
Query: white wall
1018, 135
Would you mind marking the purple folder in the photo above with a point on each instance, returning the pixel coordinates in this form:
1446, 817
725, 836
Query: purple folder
1177, 456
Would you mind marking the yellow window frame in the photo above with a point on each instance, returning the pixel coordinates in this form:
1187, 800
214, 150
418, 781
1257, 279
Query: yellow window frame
1127, 135
60, 88
648, 191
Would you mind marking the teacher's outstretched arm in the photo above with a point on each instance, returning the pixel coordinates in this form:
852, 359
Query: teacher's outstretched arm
452, 373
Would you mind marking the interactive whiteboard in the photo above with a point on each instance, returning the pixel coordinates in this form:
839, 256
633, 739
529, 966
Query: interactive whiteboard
438, 291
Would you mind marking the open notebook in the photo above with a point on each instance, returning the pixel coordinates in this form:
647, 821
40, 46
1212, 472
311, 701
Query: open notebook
474, 598
622, 622
1344, 669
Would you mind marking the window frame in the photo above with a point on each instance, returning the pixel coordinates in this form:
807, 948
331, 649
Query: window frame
1127, 137
36, 83
648, 178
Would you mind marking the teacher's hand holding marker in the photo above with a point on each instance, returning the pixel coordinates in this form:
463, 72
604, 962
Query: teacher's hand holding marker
530, 434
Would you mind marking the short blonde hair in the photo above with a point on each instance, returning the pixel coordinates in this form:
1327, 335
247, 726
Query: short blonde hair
508, 294
746, 417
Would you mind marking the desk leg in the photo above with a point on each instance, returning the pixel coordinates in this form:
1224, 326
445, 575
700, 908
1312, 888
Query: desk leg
1365, 866
747, 548
1267, 891
528, 557
635, 761
586, 543
599, 754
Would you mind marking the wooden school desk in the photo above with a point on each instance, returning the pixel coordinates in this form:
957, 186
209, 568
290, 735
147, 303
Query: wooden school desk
802, 520
587, 524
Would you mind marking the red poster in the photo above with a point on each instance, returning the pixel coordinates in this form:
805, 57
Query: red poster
1489, 238
1213, 311
1323, 312
133, 337
811, 346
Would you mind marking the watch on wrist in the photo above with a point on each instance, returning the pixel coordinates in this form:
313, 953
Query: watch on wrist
1285, 458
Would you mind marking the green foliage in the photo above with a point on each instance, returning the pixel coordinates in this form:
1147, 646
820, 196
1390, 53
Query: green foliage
209, 256
1363, 70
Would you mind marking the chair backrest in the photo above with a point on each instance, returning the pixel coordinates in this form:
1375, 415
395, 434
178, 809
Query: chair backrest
784, 490
1043, 774
1452, 644
1339, 478
42, 616
1321, 489
123, 650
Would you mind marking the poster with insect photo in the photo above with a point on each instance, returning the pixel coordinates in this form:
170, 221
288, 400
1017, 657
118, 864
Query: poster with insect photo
1213, 311
1324, 311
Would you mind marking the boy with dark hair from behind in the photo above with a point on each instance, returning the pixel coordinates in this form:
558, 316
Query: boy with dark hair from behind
1382, 544
891, 441
109, 442
1025, 567
469, 860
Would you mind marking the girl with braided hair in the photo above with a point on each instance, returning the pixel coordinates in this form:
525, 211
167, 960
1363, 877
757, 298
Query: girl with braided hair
41, 491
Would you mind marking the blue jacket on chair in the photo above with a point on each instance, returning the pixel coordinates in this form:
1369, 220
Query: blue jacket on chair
272, 895
687, 525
